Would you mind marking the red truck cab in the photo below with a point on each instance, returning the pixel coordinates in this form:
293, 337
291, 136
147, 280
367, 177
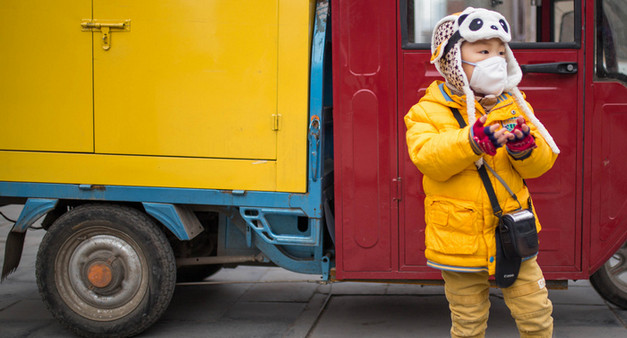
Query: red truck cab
575, 77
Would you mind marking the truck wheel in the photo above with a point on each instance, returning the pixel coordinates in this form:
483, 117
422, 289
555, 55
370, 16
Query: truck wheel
105, 271
610, 281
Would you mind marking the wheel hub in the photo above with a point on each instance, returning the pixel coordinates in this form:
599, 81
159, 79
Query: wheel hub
99, 274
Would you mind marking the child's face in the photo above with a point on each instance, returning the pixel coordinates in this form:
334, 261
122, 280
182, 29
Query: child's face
479, 51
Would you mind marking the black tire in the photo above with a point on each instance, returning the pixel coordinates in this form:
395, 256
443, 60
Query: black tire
196, 273
105, 271
610, 281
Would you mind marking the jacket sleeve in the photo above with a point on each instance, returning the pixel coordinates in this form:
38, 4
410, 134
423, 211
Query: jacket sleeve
541, 159
436, 152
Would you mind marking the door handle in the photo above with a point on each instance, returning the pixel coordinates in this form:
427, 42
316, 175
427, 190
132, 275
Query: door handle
105, 28
553, 68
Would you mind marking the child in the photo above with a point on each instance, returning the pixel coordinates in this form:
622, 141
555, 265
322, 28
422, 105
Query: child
470, 50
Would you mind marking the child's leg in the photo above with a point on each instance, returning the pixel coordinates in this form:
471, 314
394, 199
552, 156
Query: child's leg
468, 298
529, 303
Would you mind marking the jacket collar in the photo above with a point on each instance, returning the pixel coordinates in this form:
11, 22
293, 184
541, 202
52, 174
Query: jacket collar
438, 91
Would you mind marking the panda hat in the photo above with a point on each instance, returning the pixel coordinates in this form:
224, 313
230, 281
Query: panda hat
474, 24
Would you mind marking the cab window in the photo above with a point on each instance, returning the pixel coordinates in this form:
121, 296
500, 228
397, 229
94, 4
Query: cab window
611, 31
532, 21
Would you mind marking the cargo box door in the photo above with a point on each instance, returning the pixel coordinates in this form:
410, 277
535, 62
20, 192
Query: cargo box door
45, 76
187, 78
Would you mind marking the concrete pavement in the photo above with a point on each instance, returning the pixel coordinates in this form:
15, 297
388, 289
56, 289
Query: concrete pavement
273, 302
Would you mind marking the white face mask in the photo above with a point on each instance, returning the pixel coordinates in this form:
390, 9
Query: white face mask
489, 76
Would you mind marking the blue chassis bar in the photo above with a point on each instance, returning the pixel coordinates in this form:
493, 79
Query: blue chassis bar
309, 203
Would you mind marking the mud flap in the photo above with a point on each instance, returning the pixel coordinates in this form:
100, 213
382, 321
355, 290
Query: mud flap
33, 209
12, 252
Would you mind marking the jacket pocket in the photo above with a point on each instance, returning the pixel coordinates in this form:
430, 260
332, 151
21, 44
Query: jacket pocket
451, 227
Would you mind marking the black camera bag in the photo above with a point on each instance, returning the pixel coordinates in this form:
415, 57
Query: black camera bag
518, 233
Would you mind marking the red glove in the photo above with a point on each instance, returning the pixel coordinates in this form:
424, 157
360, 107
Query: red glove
521, 143
482, 139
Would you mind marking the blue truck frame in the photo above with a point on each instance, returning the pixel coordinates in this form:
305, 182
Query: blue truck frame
256, 208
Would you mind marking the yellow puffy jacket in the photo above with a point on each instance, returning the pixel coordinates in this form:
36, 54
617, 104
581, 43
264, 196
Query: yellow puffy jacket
460, 222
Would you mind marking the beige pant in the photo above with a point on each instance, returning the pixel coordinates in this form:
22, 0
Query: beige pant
527, 299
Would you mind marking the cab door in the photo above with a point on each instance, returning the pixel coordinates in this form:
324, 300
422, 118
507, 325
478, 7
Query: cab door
547, 44
608, 126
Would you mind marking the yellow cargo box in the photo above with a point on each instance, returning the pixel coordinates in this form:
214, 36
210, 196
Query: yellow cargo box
191, 94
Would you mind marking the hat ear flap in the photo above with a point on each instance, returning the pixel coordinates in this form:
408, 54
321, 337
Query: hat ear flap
437, 53
514, 73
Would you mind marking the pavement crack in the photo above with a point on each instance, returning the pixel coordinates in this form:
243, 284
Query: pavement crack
8, 306
613, 309
317, 320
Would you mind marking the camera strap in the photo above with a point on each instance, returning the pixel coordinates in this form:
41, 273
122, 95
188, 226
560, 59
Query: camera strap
485, 178
507, 268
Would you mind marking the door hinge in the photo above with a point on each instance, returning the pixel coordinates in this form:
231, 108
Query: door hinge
276, 122
398, 189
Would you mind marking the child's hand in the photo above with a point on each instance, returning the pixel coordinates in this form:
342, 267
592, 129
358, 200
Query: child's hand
488, 139
522, 140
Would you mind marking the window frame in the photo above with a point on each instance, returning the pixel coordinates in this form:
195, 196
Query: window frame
406, 45
600, 72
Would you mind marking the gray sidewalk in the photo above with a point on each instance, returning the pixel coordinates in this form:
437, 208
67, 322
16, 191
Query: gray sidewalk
273, 302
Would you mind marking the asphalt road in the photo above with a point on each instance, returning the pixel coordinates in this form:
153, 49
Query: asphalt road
273, 302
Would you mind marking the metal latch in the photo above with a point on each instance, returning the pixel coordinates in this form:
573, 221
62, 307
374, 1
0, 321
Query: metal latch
314, 146
105, 27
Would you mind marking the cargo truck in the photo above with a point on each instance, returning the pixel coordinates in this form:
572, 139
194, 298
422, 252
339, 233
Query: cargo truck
157, 141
